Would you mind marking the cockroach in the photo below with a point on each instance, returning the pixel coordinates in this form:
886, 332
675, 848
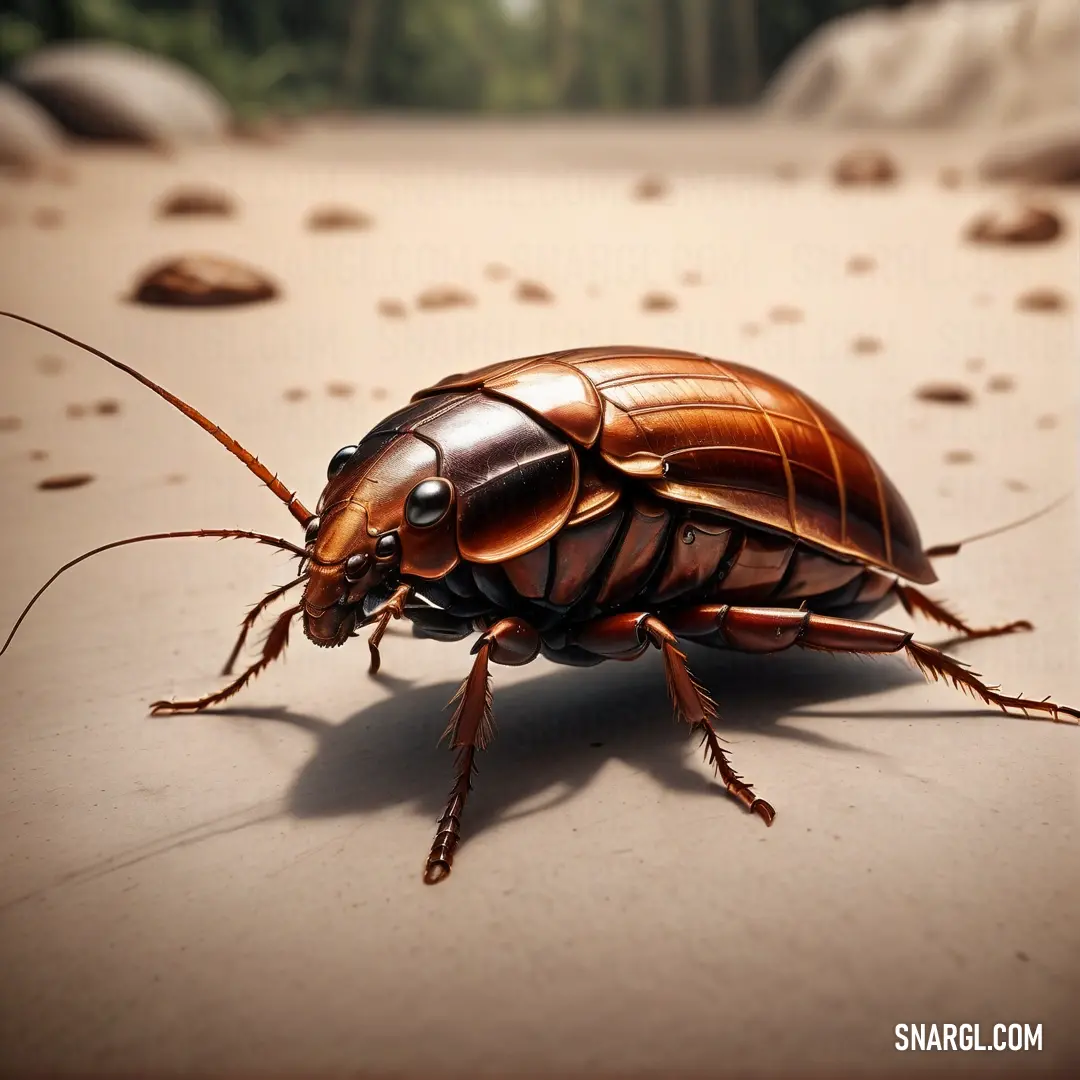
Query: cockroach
591, 504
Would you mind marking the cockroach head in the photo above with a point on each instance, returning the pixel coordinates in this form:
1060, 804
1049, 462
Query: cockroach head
385, 514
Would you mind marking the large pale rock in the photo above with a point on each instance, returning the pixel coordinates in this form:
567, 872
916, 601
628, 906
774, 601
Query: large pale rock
1046, 151
102, 90
934, 64
29, 136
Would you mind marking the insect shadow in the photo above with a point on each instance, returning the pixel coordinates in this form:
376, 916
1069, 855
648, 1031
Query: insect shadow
556, 731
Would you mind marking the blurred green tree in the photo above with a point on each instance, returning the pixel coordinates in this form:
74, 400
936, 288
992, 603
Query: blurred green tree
298, 55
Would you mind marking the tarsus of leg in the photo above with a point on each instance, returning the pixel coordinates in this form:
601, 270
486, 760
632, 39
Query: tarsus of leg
915, 601
273, 647
935, 665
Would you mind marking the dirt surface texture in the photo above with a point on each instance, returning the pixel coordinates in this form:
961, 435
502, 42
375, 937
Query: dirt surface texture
239, 892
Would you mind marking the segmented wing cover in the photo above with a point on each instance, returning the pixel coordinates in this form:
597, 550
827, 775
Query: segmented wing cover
721, 435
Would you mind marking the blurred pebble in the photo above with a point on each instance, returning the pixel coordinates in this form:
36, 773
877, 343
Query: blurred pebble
532, 292
61, 483
658, 301
444, 296
945, 393
1042, 299
865, 166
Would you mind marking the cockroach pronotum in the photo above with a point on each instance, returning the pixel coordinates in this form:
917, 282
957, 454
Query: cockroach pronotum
590, 504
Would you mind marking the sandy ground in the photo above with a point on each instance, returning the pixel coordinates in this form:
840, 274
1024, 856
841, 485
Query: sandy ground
240, 892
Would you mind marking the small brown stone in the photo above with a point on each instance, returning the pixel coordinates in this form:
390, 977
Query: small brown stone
865, 166
1042, 299
444, 296
340, 389
945, 393
10, 423
750, 329
532, 292
175, 478
861, 264
295, 393
266, 130
651, 186
68, 480
107, 407
379, 393
975, 363
1000, 384
336, 218
49, 365
203, 281
959, 457
38, 455
950, 177
658, 301
496, 271
197, 202
865, 344
48, 217
1016, 485
1046, 422
391, 309
691, 277
785, 313
75, 411
1016, 223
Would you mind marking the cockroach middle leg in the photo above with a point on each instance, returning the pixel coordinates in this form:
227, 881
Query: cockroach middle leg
626, 637
510, 641
915, 601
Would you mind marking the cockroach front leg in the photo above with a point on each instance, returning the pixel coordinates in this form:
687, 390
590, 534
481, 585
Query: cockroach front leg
273, 647
626, 637
761, 630
510, 641
394, 608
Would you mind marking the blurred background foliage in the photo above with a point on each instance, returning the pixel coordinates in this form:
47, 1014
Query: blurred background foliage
296, 56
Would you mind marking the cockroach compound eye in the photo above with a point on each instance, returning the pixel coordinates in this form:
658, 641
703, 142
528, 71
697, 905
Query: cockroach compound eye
587, 506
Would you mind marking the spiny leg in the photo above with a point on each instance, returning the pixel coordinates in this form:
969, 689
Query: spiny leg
915, 601
273, 647
510, 641
392, 609
625, 637
251, 618
760, 630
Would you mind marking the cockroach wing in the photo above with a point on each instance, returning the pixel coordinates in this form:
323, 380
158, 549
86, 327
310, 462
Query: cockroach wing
723, 436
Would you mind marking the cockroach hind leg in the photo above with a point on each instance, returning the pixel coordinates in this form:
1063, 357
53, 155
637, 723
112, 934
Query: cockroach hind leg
935, 665
915, 601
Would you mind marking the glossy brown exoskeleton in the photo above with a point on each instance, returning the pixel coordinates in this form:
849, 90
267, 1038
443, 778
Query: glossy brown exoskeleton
590, 504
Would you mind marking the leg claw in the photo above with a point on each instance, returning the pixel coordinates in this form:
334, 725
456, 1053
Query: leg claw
436, 870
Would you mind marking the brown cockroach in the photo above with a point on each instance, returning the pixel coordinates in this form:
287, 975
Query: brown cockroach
590, 504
